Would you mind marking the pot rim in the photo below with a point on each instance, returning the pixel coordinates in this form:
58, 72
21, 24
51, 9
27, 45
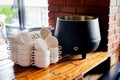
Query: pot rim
77, 18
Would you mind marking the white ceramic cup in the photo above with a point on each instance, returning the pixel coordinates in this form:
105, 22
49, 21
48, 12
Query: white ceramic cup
24, 52
42, 55
24, 57
51, 41
24, 49
41, 45
54, 55
13, 57
24, 63
42, 64
42, 59
25, 37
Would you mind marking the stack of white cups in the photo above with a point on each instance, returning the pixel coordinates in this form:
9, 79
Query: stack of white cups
12, 47
24, 49
6, 65
42, 55
52, 43
23, 57
20, 46
40, 50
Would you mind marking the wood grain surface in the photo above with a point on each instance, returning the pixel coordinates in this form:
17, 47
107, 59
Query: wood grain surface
68, 69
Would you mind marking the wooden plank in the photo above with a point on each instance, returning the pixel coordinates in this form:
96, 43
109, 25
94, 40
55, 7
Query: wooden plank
64, 70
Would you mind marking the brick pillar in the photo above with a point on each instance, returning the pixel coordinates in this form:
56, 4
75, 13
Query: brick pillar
114, 30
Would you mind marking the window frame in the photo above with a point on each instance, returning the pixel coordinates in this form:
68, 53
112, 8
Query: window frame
21, 14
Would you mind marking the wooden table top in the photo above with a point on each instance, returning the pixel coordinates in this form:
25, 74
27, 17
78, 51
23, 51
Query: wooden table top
67, 69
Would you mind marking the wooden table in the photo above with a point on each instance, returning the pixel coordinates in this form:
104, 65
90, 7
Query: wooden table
68, 69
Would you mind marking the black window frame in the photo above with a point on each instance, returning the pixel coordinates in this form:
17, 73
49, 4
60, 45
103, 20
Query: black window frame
21, 14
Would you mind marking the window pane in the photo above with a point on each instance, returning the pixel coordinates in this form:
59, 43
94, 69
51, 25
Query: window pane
36, 13
10, 9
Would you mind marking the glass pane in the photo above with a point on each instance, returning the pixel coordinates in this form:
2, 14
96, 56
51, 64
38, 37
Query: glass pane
36, 13
10, 9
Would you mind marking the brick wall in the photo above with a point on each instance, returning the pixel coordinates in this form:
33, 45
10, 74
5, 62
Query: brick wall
114, 30
106, 10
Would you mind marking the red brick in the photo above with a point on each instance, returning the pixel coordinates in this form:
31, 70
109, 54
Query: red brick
87, 10
117, 30
67, 9
56, 2
112, 17
114, 58
114, 50
114, 10
52, 21
118, 36
110, 46
119, 23
62, 14
51, 14
111, 39
90, 2
105, 3
79, 3
113, 24
53, 8
116, 43
103, 10
97, 3
111, 32
92, 10
118, 16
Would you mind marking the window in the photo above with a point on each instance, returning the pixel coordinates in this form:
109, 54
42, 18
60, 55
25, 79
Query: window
30, 13
10, 10
36, 12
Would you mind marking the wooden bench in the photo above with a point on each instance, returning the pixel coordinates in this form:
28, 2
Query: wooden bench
68, 69
113, 73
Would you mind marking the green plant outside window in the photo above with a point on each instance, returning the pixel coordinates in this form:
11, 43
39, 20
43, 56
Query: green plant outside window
8, 11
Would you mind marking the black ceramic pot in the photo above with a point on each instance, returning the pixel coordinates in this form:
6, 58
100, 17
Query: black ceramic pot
77, 34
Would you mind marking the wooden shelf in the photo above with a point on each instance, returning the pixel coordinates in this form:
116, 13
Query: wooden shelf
67, 69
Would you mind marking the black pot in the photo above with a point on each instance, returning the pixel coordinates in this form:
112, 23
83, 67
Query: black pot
77, 34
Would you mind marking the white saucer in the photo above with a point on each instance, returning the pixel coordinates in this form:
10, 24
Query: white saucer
44, 32
51, 41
